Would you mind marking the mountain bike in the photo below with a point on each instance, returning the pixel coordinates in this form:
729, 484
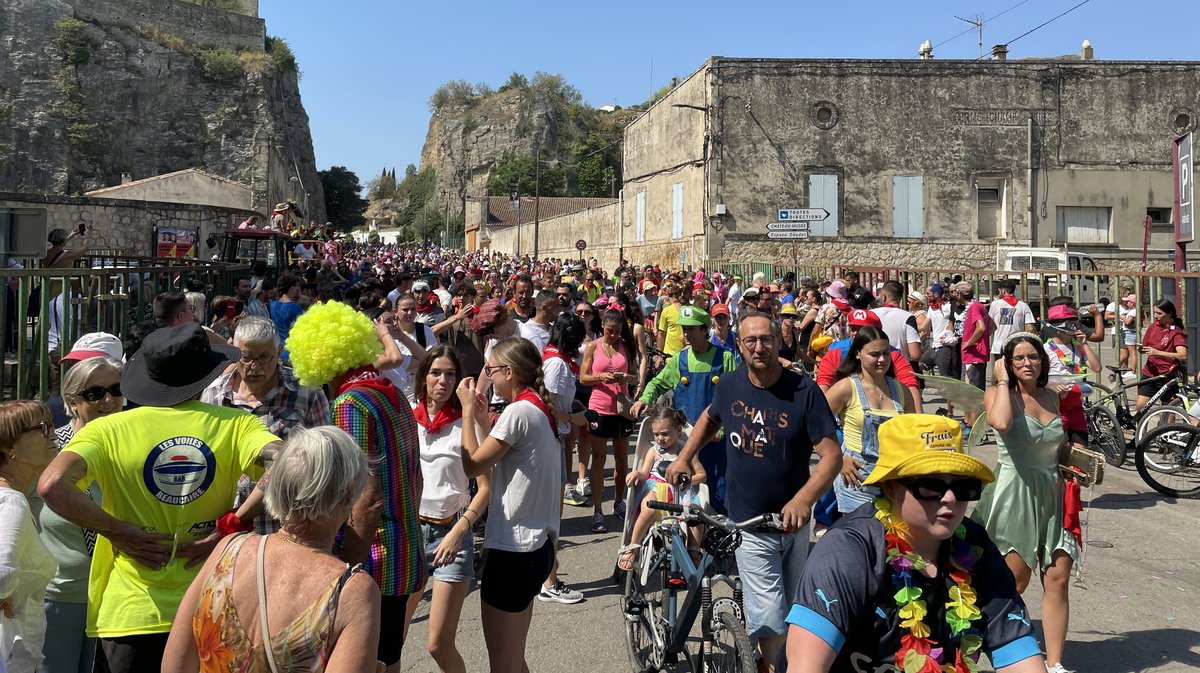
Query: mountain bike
1168, 460
1106, 427
657, 625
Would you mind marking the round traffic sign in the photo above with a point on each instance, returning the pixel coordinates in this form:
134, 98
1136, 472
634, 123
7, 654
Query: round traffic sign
580, 244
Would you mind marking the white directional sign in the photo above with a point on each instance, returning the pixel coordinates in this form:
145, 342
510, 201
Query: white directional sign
791, 233
780, 226
803, 214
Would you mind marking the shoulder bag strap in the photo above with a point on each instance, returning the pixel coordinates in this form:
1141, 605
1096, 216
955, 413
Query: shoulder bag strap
262, 605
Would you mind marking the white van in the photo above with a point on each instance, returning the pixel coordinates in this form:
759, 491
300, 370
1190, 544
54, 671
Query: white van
1082, 279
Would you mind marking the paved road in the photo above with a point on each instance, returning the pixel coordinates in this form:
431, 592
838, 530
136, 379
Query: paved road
1134, 608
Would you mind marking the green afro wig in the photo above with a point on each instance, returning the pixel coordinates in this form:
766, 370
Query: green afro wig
330, 339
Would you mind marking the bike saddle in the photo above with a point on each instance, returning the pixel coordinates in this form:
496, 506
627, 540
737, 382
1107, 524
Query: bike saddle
1118, 370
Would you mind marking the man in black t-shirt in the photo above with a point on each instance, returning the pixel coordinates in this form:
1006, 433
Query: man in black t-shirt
846, 614
774, 419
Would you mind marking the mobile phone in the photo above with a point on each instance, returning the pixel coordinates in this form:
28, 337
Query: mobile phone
82, 228
230, 308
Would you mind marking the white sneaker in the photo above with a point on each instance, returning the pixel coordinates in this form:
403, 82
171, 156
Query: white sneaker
559, 593
584, 487
1057, 668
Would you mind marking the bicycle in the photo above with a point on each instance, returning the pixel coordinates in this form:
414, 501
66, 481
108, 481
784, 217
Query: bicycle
1168, 460
1106, 428
657, 626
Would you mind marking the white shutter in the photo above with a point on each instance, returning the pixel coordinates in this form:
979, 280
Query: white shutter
908, 208
641, 216
677, 210
1081, 224
823, 193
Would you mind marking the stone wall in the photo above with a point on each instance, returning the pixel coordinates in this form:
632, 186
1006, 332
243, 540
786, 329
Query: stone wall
127, 226
183, 187
557, 236
196, 24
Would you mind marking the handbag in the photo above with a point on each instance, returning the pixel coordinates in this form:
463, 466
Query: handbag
1084, 465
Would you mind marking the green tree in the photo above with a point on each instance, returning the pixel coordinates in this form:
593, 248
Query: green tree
383, 186
520, 170
515, 81
343, 204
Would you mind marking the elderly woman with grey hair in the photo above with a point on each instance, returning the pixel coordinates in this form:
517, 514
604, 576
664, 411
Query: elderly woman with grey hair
292, 578
91, 389
261, 384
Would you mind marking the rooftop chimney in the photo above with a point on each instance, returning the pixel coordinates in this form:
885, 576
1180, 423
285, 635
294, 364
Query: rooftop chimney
1000, 52
1086, 53
126, 178
926, 51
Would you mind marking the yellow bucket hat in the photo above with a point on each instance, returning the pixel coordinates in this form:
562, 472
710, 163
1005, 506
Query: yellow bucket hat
917, 445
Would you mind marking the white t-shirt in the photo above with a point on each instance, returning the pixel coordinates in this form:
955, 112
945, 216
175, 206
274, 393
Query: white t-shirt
446, 491
556, 374
305, 251
445, 298
900, 326
526, 483
535, 332
1009, 320
940, 334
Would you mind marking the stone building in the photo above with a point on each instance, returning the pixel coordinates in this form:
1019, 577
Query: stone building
920, 163
190, 185
561, 222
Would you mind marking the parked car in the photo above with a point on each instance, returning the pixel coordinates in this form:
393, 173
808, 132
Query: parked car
1045, 273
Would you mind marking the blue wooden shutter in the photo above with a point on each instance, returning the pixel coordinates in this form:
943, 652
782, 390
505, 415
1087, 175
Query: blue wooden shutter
823, 193
908, 207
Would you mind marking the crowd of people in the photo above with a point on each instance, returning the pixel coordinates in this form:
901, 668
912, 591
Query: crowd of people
270, 480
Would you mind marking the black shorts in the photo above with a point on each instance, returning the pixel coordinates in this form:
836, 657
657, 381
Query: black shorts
512, 578
391, 628
613, 427
1149, 389
1079, 437
976, 375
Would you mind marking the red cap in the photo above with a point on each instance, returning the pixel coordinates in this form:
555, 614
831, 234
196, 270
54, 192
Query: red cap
720, 309
862, 318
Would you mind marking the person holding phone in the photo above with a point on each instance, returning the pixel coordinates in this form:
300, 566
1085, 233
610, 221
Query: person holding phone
1165, 346
607, 366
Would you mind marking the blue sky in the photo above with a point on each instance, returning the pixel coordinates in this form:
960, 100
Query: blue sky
370, 65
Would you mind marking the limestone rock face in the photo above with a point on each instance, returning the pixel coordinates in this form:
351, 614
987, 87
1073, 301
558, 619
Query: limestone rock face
137, 94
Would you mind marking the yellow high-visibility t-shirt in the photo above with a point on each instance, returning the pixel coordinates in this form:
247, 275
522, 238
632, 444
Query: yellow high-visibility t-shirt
170, 470
668, 321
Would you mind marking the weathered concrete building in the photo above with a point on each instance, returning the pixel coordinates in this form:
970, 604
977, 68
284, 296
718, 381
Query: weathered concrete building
190, 185
560, 222
920, 163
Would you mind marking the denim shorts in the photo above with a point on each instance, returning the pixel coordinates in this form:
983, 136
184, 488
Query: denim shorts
769, 566
462, 568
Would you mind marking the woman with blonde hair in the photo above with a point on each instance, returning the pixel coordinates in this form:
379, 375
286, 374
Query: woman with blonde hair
26, 566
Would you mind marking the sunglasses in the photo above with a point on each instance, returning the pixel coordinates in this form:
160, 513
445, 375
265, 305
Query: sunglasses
96, 393
931, 489
45, 428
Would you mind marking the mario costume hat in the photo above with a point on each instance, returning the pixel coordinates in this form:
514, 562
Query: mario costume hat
918, 445
862, 318
690, 316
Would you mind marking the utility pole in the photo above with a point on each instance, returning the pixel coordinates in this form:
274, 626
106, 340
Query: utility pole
537, 188
978, 23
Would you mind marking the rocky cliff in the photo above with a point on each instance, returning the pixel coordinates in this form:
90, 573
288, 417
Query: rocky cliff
96, 88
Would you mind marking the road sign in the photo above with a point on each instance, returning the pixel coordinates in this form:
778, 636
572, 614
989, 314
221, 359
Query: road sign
803, 214
581, 244
779, 226
791, 233
1185, 230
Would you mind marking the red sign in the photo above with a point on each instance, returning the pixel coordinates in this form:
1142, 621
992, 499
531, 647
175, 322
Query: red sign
580, 244
173, 242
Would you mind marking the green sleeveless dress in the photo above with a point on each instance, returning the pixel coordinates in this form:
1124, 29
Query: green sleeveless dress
1023, 509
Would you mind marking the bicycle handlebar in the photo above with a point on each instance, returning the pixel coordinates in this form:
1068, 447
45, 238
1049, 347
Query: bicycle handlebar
770, 520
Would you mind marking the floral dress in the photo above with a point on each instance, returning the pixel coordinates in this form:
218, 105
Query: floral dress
224, 643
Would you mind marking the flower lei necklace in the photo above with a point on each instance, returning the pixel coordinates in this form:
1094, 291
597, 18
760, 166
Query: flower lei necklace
917, 653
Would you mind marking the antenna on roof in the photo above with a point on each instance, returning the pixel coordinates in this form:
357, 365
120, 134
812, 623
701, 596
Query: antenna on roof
978, 23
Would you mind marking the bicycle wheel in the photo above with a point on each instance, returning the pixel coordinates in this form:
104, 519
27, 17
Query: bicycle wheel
1168, 460
1105, 434
731, 651
1169, 414
642, 607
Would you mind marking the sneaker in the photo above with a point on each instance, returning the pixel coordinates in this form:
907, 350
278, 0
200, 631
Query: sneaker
1126, 377
619, 509
572, 497
584, 486
559, 593
598, 525
1057, 668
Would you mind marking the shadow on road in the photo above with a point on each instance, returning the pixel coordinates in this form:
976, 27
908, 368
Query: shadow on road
1129, 500
1134, 651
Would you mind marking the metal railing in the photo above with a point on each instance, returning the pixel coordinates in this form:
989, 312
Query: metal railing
103, 293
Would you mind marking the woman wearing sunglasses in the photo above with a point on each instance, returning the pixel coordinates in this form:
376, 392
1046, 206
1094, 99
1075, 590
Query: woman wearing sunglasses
910, 584
90, 389
1023, 510
26, 565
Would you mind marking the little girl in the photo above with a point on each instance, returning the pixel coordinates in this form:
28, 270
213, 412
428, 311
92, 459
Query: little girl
666, 424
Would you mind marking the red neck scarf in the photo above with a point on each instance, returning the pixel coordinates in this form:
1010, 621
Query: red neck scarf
536, 400
552, 351
445, 415
369, 377
1012, 301
935, 305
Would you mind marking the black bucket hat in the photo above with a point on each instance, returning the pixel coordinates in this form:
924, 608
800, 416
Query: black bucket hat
173, 365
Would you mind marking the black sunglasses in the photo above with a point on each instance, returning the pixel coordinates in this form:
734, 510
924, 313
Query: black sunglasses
96, 393
931, 489
45, 428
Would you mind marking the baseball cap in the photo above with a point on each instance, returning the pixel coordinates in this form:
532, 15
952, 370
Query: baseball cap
94, 345
750, 293
918, 445
1129, 297
861, 318
648, 285
690, 316
937, 288
1063, 317
719, 309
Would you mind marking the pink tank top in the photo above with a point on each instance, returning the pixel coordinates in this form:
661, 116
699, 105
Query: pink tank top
604, 395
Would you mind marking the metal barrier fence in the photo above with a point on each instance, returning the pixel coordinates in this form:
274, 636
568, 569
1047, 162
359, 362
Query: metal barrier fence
43, 311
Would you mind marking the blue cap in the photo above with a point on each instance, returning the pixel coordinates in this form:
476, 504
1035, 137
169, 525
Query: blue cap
936, 288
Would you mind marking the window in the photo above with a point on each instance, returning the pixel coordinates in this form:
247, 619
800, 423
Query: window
908, 207
989, 208
989, 195
641, 216
1084, 224
1160, 219
823, 193
677, 210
